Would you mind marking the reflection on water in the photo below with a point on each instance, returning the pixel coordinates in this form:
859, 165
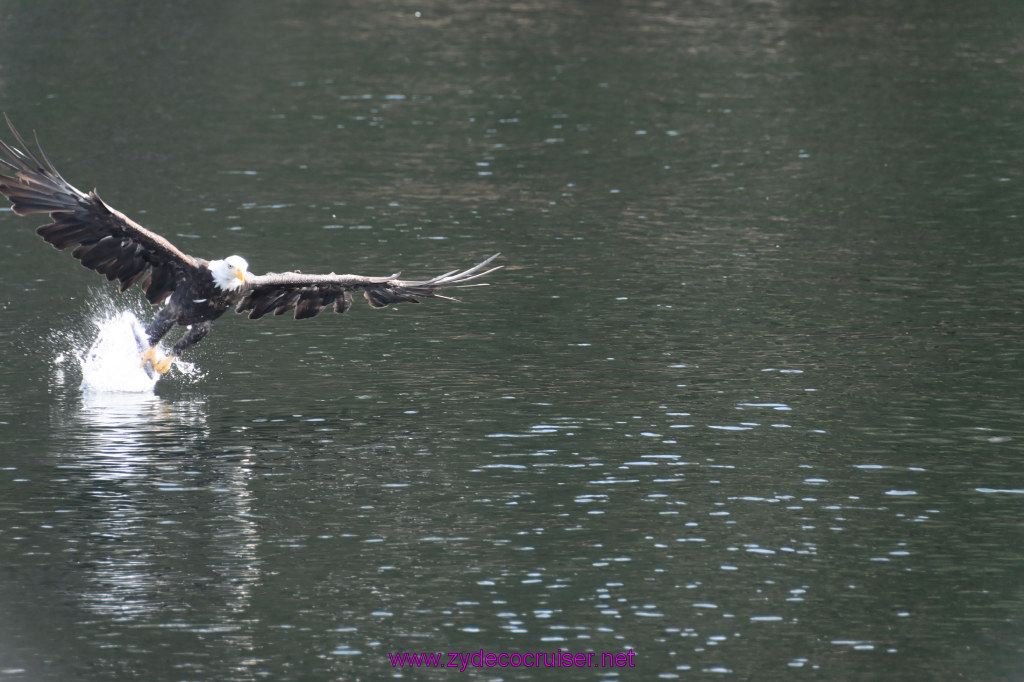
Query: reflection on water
120, 426
161, 512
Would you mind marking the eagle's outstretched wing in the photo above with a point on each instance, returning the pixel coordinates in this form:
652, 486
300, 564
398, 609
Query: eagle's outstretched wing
309, 294
108, 241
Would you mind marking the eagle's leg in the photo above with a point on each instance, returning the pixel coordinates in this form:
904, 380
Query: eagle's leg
156, 330
196, 333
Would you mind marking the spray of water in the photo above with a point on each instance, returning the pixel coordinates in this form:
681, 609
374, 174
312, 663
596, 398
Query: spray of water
110, 361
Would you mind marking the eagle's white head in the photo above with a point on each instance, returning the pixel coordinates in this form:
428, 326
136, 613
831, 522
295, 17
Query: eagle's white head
229, 274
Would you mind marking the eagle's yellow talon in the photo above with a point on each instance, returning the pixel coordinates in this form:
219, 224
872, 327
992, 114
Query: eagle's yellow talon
161, 365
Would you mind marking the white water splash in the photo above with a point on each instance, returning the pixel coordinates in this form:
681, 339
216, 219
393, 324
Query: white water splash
104, 349
112, 363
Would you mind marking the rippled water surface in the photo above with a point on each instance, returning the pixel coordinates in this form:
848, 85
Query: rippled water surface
745, 399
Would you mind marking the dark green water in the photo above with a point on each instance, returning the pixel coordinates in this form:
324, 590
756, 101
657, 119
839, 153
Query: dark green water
745, 399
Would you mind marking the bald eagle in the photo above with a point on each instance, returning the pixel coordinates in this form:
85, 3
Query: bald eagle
194, 291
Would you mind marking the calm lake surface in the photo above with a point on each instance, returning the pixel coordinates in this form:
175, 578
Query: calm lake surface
745, 399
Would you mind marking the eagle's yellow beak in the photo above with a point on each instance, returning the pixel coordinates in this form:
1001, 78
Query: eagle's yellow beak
240, 274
